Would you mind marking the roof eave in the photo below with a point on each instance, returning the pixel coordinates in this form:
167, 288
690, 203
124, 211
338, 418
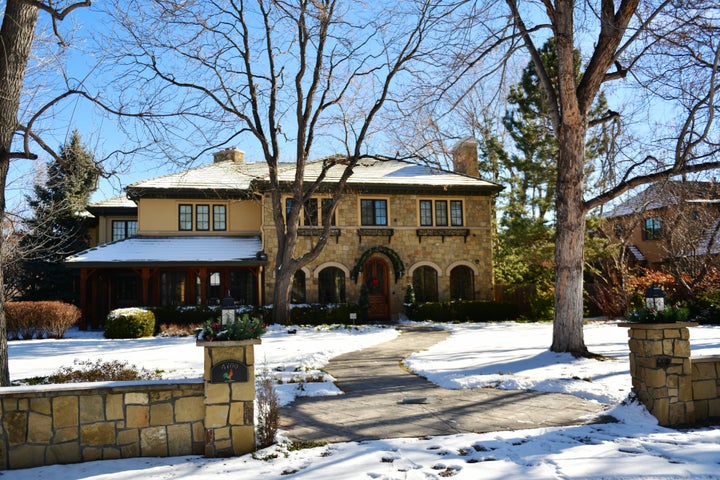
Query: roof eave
178, 263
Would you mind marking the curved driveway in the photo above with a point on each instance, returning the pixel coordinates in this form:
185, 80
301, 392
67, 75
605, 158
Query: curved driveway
384, 400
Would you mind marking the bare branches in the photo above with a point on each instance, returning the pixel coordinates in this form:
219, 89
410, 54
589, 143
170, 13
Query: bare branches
57, 14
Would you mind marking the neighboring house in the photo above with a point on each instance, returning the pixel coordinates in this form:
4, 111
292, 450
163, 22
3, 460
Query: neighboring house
192, 237
668, 220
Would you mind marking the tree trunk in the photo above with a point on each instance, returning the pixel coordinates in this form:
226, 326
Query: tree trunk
16, 37
569, 243
281, 296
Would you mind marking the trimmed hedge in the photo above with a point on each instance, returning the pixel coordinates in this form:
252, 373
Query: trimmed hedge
28, 320
130, 323
464, 311
184, 316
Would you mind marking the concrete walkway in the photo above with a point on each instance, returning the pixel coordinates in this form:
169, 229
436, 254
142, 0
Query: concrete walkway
383, 400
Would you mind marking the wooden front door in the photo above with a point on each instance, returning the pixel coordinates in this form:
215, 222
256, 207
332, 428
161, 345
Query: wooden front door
375, 276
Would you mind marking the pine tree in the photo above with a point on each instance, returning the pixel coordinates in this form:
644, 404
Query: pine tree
58, 227
525, 242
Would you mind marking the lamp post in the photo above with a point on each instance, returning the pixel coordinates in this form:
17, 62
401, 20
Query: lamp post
655, 298
227, 307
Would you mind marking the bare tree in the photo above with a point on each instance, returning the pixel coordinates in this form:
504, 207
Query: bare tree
16, 36
300, 79
663, 55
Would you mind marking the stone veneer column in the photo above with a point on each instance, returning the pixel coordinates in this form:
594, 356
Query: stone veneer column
661, 370
229, 404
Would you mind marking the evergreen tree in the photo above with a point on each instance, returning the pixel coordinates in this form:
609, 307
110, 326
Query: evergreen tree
58, 227
525, 240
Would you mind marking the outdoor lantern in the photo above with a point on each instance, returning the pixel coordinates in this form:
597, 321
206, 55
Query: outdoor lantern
655, 298
227, 307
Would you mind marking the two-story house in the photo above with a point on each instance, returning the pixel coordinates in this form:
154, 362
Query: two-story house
666, 220
192, 237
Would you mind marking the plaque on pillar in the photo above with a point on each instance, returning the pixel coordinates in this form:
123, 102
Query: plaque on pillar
229, 371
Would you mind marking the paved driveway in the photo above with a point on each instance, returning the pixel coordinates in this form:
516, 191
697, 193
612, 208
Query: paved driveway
383, 400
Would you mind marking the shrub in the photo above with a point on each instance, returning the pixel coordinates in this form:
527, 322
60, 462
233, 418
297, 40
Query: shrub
130, 323
87, 371
465, 311
27, 320
268, 413
183, 316
706, 308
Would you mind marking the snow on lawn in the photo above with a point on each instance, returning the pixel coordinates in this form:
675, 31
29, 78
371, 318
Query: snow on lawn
504, 355
291, 358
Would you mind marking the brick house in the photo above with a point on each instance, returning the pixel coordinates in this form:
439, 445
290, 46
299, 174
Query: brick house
191, 237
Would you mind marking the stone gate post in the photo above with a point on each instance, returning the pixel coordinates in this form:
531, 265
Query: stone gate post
229, 377
661, 370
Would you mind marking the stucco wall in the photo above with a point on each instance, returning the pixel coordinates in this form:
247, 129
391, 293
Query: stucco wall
159, 216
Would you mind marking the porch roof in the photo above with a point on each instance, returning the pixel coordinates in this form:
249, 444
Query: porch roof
171, 251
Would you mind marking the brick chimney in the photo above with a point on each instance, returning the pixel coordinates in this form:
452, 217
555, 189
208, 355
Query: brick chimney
465, 157
232, 153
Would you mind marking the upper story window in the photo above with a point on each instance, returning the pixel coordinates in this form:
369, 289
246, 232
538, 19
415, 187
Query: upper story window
185, 217
311, 215
203, 219
219, 217
652, 228
123, 229
373, 212
435, 213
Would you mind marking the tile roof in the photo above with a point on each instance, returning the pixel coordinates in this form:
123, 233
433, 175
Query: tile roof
170, 250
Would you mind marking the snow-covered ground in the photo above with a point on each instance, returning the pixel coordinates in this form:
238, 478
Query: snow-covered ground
502, 355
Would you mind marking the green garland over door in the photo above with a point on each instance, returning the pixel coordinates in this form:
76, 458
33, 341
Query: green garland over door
397, 263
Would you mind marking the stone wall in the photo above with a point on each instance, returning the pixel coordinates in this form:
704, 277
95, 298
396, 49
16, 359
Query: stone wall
675, 388
706, 388
48, 425
71, 423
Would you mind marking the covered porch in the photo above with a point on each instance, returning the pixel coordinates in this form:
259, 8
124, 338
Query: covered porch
168, 271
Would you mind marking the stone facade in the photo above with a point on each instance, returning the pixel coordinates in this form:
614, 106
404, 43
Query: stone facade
85, 422
676, 389
440, 248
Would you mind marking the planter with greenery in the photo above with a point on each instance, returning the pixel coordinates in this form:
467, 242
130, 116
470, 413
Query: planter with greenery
671, 314
245, 327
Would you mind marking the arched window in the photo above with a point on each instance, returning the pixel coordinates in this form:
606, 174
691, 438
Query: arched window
462, 283
331, 285
297, 295
425, 283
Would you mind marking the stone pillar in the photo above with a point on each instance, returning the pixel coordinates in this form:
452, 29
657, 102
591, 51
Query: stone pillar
661, 370
229, 397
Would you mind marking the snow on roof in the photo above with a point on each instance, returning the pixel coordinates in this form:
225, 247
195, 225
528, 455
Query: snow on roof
391, 173
227, 175
177, 250
635, 251
663, 194
710, 241
119, 201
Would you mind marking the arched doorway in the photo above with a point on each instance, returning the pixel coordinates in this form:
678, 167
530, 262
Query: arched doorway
376, 279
